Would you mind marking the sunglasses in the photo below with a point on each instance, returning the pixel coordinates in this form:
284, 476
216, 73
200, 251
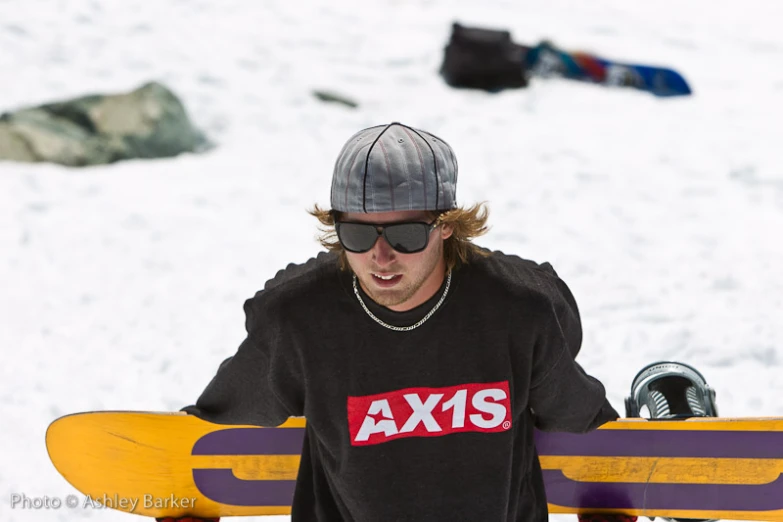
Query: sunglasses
405, 238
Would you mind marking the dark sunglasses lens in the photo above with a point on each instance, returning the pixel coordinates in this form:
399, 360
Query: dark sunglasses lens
407, 238
357, 237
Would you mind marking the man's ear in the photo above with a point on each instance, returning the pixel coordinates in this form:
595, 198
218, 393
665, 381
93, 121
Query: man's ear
446, 230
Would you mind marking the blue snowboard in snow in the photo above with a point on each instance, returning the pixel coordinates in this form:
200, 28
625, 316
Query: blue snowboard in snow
547, 60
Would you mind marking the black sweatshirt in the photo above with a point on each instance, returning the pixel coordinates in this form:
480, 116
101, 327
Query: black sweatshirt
425, 425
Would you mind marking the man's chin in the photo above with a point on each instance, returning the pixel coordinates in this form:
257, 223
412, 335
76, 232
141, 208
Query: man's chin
387, 297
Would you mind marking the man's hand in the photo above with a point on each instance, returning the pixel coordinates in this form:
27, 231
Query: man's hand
186, 519
606, 518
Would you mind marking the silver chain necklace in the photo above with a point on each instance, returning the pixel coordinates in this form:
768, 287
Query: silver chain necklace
403, 328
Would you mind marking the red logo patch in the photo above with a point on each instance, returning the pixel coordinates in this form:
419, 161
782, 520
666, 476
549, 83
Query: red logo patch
429, 412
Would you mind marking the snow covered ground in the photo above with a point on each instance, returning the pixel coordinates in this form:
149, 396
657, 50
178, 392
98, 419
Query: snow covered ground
122, 287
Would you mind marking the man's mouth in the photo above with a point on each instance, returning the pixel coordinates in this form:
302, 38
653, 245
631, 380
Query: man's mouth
386, 280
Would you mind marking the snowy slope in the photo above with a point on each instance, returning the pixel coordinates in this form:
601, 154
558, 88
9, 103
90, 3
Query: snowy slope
122, 286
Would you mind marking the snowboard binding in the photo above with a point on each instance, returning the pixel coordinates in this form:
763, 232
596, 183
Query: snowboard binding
671, 390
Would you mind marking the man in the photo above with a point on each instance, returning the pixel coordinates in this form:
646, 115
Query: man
421, 361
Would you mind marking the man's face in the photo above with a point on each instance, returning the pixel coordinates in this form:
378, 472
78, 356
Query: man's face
395, 280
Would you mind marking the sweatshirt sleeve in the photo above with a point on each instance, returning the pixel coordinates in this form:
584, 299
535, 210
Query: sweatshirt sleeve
563, 397
261, 384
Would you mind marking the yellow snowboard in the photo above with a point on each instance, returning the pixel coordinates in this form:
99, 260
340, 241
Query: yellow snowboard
172, 464
148, 463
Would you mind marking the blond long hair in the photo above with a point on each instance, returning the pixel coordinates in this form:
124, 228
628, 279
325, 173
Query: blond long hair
467, 223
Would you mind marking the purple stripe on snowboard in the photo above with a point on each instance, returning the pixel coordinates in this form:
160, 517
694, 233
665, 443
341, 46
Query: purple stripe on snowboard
220, 485
565, 492
251, 441
663, 443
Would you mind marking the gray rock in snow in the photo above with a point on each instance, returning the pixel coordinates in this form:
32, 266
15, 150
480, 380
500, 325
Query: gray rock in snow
149, 122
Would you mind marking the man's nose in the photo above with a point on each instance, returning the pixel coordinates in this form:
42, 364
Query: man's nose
382, 252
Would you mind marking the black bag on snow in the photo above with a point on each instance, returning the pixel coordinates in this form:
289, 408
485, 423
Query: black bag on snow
483, 59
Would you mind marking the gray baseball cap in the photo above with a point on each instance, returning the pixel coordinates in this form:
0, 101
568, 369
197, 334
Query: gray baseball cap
394, 167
